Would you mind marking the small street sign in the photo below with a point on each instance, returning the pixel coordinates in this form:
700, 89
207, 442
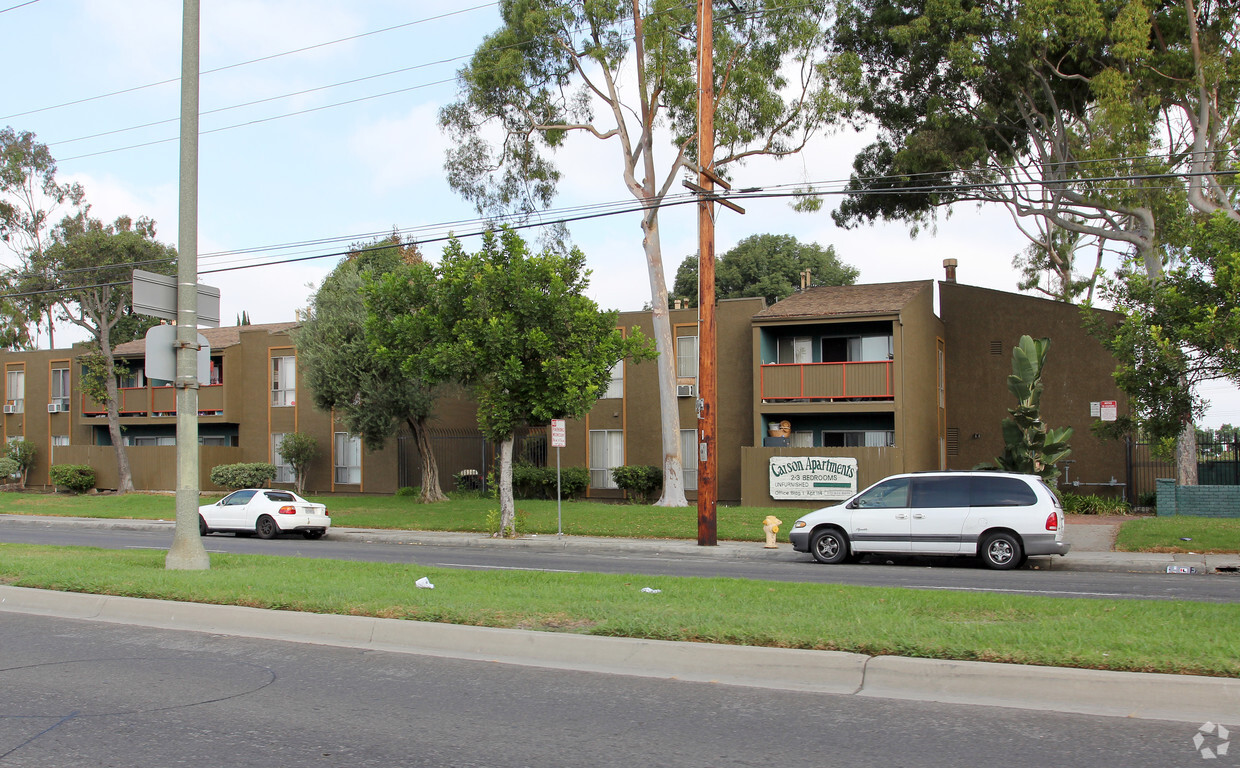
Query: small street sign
559, 433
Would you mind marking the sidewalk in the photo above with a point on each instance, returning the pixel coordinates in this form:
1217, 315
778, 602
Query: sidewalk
1091, 545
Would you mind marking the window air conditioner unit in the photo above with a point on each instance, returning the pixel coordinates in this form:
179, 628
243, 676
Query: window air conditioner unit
53, 407
10, 409
684, 390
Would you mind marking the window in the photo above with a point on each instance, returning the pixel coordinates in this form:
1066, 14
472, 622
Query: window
689, 458
856, 349
888, 494
15, 391
686, 357
284, 470
803, 439
59, 440
150, 441
283, 381
1001, 492
60, 388
941, 492
794, 349
131, 380
348, 459
606, 451
615, 387
217, 370
875, 438
221, 440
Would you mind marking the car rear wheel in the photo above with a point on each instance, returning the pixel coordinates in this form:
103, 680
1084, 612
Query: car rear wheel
203, 530
313, 534
1002, 552
829, 546
266, 528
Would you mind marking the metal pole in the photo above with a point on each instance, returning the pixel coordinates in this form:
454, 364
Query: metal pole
559, 510
707, 492
187, 552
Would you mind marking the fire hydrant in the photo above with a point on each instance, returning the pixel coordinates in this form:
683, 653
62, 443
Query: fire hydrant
771, 526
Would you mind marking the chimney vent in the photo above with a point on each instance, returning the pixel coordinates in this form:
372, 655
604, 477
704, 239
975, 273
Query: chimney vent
949, 266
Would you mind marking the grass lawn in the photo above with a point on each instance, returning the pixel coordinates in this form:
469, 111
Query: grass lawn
1166, 534
1150, 636
581, 518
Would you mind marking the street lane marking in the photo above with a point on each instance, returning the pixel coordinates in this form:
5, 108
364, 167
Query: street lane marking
502, 568
1026, 591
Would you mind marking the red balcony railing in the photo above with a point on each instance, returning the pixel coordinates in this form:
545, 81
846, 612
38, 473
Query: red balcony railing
862, 380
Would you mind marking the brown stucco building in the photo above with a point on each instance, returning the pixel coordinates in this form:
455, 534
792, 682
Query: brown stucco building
868, 373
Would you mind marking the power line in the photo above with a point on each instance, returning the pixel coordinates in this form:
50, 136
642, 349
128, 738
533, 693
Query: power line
241, 63
19, 5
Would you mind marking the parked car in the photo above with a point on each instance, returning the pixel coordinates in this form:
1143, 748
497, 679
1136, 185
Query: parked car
265, 513
998, 516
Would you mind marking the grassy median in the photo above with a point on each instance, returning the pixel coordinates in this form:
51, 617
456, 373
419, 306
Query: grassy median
1180, 534
1148, 636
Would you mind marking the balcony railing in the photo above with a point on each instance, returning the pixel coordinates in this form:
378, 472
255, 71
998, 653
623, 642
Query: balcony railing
862, 380
157, 401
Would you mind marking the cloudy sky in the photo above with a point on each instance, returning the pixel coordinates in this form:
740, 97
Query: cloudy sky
337, 141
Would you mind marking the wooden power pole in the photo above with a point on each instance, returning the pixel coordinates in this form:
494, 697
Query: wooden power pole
708, 460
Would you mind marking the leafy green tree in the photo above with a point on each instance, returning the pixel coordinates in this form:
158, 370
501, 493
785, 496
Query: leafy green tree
770, 266
29, 197
298, 449
557, 68
513, 326
372, 395
89, 266
22, 452
1177, 331
1029, 445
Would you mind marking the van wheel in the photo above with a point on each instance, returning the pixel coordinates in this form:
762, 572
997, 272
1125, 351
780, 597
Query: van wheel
1002, 552
829, 546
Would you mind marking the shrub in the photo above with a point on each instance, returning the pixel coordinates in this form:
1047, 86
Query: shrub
234, 476
640, 481
530, 482
1077, 504
407, 491
8, 469
77, 478
22, 452
573, 481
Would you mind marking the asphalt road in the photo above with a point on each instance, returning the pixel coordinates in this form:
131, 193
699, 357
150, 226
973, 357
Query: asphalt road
961, 575
77, 693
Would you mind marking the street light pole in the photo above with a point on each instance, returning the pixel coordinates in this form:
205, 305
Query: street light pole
187, 552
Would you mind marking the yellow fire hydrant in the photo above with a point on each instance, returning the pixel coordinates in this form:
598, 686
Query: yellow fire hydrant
771, 526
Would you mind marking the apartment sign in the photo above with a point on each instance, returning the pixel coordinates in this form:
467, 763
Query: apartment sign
811, 478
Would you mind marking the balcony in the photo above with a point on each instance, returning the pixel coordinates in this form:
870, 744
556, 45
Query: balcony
822, 382
157, 401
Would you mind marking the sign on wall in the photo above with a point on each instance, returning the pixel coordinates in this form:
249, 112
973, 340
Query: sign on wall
812, 478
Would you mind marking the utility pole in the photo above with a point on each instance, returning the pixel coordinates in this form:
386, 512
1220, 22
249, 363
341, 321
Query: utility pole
187, 552
708, 460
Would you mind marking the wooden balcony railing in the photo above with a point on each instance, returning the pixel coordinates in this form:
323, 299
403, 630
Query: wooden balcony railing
863, 380
157, 401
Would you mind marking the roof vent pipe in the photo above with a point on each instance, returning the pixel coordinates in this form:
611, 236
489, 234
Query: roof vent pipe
949, 266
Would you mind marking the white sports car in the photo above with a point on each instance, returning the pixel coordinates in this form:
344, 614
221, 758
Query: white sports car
264, 512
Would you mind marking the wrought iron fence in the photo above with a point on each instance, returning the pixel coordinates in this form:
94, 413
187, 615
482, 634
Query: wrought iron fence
1218, 463
466, 459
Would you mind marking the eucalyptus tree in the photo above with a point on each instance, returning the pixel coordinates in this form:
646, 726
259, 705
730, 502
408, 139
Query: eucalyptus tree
622, 72
29, 198
770, 266
88, 269
514, 326
372, 396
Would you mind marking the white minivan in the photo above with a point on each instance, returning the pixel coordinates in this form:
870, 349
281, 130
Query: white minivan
1000, 517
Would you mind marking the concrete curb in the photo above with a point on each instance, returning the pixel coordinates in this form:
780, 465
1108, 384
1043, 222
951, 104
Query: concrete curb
1093, 692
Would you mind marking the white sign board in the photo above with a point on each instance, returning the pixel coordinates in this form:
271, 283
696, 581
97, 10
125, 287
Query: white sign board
559, 433
1095, 409
1109, 410
161, 355
812, 478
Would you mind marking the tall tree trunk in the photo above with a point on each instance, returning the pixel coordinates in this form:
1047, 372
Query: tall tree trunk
1186, 454
507, 506
431, 491
124, 478
669, 406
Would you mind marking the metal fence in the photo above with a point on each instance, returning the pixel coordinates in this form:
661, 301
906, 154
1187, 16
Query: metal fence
466, 459
1218, 463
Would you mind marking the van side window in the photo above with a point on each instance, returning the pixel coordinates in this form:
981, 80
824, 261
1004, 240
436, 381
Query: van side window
886, 495
1002, 492
940, 492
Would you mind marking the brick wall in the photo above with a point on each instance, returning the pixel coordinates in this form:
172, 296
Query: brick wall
1198, 500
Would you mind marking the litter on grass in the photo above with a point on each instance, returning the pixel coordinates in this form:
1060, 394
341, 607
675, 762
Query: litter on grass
423, 583
650, 591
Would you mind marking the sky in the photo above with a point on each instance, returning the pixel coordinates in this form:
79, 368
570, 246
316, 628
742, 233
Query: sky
318, 168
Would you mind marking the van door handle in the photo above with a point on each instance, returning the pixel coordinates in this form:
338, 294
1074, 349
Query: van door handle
918, 516
901, 516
